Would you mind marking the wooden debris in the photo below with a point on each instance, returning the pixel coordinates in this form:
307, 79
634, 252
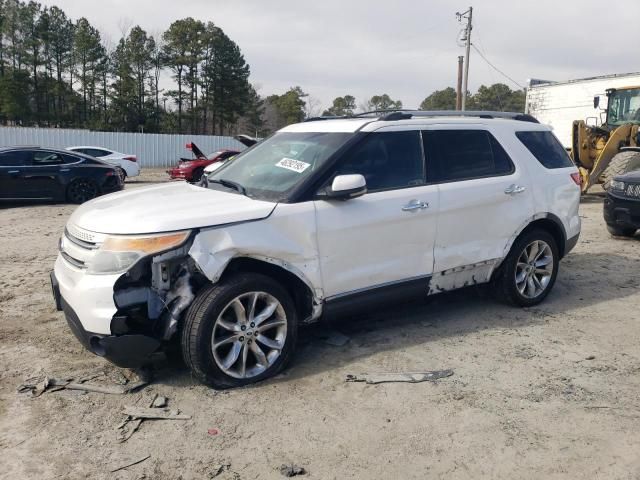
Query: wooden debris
154, 413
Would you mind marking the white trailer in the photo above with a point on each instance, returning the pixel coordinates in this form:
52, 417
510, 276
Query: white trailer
558, 104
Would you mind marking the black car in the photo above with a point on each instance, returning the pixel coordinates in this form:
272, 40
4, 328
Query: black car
622, 205
28, 173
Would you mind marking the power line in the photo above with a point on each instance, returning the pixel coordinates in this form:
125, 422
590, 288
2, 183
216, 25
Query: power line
496, 68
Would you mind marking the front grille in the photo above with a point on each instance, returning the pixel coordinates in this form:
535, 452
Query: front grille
78, 246
632, 190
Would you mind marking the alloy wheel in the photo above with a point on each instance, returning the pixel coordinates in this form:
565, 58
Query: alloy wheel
249, 335
534, 269
82, 190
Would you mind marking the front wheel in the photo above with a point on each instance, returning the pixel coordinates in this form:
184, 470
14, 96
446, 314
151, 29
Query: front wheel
529, 272
239, 331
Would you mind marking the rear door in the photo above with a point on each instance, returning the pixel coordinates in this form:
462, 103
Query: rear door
12, 165
485, 197
42, 174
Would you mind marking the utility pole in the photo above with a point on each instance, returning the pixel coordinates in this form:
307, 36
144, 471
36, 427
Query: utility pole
468, 14
459, 85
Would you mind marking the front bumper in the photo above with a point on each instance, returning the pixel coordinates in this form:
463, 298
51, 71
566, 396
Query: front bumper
621, 212
94, 330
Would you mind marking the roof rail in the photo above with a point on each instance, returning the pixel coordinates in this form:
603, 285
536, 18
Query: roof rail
400, 114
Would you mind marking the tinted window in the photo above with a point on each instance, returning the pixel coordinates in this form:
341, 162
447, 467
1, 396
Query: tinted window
546, 148
465, 154
14, 159
94, 152
71, 159
387, 160
43, 157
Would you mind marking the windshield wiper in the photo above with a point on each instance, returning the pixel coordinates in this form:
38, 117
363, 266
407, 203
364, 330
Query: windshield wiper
229, 184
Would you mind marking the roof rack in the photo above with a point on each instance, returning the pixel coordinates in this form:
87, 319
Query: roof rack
399, 114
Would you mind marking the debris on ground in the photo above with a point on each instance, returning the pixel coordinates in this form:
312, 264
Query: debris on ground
333, 338
129, 426
213, 431
219, 468
159, 402
154, 413
130, 464
292, 470
39, 385
590, 357
408, 377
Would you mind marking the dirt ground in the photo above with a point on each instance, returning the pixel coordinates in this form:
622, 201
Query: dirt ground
545, 392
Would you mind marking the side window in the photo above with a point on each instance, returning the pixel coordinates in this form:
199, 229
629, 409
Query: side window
547, 150
16, 158
94, 152
71, 159
43, 157
465, 154
387, 160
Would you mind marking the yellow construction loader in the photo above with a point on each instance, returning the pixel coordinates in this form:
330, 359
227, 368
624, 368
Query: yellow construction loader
612, 148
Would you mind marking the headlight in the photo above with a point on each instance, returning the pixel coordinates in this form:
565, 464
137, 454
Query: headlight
119, 253
616, 185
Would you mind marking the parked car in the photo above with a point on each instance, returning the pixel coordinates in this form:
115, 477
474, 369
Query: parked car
192, 169
127, 163
622, 205
244, 139
320, 219
48, 174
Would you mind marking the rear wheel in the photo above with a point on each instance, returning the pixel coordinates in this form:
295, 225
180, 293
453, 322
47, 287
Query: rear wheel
529, 272
617, 231
622, 163
122, 172
239, 331
81, 190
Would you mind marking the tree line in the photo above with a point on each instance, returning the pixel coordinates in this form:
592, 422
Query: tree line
57, 72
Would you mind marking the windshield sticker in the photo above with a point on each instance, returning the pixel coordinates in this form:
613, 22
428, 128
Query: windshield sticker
294, 165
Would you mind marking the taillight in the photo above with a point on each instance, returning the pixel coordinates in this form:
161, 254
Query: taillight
131, 158
576, 178
110, 173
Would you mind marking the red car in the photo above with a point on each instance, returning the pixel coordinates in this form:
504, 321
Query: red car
191, 169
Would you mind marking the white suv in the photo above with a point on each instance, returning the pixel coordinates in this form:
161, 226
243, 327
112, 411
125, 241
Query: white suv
321, 218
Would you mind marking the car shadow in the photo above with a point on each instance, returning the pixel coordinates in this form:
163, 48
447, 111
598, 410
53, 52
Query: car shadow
447, 315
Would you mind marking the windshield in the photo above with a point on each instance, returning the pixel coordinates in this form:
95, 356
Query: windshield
275, 166
624, 107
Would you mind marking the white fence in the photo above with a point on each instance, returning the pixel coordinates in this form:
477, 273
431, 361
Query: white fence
152, 150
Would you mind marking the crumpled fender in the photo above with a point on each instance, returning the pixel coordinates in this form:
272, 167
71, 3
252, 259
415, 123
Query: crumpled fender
279, 239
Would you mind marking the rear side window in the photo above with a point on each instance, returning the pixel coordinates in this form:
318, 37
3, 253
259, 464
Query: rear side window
464, 154
387, 160
43, 157
546, 148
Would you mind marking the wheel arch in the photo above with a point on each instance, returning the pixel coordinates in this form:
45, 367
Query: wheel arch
546, 221
309, 309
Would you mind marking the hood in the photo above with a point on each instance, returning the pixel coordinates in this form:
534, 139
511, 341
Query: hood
633, 176
165, 208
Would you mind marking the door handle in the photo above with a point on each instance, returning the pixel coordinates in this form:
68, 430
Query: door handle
415, 205
13, 172
513, 189
64, 169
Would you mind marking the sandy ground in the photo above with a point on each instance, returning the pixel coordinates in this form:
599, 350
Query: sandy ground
546, 392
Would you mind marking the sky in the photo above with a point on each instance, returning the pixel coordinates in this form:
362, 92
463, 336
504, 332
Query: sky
405, 48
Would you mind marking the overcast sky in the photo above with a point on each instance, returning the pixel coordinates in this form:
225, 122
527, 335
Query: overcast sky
405, 48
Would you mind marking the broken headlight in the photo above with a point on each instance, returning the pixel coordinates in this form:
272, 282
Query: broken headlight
119, 253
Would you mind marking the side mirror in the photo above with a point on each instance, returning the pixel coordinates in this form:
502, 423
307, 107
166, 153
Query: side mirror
345, 187
596, 101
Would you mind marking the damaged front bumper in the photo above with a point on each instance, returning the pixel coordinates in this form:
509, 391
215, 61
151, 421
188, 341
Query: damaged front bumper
128, 350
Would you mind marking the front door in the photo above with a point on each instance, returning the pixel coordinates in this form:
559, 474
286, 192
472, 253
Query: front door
384, 238
12, 165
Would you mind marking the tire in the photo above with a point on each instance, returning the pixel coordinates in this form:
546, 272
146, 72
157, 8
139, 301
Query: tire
197, 175
123, 174
617, 231
516, 272
621, 163
213, 316
82, 190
